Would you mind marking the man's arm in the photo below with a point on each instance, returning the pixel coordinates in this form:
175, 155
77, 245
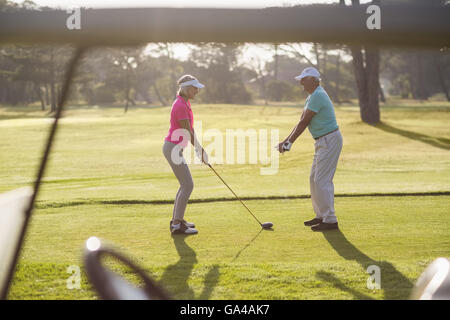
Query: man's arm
305, 119
293, 130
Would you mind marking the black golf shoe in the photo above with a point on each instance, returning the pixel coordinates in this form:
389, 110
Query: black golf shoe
325, 226
312, 222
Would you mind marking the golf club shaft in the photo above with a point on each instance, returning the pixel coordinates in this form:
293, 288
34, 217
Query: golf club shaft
234, 194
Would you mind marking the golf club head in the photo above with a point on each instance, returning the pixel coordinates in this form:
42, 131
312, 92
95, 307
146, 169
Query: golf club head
267, 225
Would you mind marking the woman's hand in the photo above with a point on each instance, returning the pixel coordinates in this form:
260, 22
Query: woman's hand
202, 155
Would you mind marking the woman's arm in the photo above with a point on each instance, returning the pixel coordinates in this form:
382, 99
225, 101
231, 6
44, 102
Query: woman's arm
185, 124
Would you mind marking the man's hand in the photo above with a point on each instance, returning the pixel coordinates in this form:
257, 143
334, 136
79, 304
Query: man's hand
284, 146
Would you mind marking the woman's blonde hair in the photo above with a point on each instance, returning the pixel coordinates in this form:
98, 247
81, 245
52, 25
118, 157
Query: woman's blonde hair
186, 77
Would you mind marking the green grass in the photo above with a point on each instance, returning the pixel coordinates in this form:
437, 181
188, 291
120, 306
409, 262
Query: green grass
107, 171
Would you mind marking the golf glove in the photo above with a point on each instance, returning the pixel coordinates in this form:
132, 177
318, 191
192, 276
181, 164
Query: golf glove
287, 145
198, 152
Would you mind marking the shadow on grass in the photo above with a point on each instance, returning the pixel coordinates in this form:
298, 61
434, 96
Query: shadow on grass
250, 242
247, 245
175, 276
437, 142
331, 278
393, 283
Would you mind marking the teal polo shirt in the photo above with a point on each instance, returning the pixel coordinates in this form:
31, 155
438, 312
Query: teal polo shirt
324, 121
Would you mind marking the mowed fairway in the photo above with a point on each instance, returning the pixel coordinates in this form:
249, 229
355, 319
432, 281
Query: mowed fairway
107, 177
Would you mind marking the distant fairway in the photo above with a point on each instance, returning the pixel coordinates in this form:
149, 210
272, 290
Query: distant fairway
107, 177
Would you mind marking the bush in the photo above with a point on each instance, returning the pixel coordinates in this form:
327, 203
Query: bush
99, 94
240, 94
103, 94
280, 91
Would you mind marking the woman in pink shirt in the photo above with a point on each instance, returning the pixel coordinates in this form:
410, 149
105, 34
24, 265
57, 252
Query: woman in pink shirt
180, 133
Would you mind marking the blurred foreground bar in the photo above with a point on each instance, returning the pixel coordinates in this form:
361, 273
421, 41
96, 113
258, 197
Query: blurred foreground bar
401, 25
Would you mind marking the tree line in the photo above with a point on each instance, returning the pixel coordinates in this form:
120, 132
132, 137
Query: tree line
148, 74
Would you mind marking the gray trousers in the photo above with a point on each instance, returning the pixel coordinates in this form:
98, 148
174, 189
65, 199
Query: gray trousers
326, 156
174, 155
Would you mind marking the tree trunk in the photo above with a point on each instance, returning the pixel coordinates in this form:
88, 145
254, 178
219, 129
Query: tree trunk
360, 76
367, 81
441, 76
263, 89
324, 71
316, 52
338, 75
38, 91
416, 76
276, 63
382, 96
367, 76
132, 101
52, 83
127, 89
372, 114
160, 98
52, 96
46, 95
143, 92
59, 91
423, 95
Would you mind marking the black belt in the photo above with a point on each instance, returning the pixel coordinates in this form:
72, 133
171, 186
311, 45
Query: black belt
326, 134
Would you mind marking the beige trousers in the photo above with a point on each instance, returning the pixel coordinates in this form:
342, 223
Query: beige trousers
326, 156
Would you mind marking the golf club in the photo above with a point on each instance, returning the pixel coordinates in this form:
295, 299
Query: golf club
265, 225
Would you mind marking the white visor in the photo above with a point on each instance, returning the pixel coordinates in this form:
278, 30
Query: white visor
193, 83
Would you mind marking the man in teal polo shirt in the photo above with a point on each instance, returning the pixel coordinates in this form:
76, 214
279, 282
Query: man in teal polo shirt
318, 115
